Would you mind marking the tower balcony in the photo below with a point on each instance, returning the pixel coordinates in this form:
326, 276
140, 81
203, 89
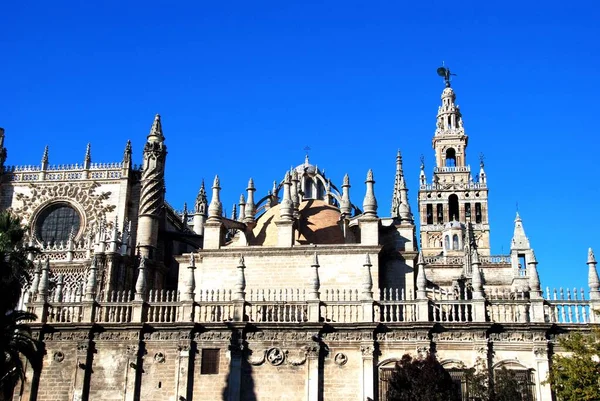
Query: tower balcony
452, 169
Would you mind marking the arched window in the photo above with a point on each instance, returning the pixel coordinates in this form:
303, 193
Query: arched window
478, 212
429, 214
453, 208
440, 213
455, 242
308, 188
450, 157
447, 242
467, 210
56, 222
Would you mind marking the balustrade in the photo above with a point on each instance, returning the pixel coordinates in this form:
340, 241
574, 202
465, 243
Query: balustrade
391, 305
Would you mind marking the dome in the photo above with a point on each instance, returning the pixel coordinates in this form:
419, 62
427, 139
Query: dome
317, 224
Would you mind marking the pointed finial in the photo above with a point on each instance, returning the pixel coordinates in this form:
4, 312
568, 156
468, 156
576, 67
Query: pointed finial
45, 157
215, 209
370, 176
192, 259
274, 190
88, 156
306, 163
369, 202
475, 259
420, 259
481, 160
518, 218
346, 180
156, 132
250, 183
241, 262
367, 261
591, 258
216, 182
242, 200
127, 153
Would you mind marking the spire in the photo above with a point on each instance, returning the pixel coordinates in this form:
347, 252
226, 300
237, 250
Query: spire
315, 282
367, 284
593, 280
184, 214
141, 286
476, 281
215, 209
295, 189
534, 277
45, 158
396, 201
250, 210
421, 278
369, 202
201, 200
519, 240
422, 176
240, 284
345, 205
127, 154
286, 210
482, 176
449, 118
92, 280
274, 197
156, 132
242, 204
2, 150
190, 281
87, 160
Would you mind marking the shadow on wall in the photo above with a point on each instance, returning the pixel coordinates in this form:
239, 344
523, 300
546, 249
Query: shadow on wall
239, 382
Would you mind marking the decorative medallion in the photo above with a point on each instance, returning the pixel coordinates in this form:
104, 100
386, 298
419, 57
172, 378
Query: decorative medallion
340, 359
275, 356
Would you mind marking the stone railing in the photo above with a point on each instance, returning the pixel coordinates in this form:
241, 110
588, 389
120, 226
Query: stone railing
295, 306
452, 169
460, 260
460, 185
65, 172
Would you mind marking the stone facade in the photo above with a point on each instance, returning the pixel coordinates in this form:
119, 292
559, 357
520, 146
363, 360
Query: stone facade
301, 294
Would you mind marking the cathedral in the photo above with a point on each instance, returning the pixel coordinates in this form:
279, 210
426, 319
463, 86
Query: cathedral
310, 291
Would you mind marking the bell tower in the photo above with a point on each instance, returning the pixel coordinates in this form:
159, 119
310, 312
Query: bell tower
453, 206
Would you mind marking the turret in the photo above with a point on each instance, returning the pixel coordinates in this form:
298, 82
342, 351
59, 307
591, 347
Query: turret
152, 194
200, 210
345, 204
520, 248
250, 209
44, 163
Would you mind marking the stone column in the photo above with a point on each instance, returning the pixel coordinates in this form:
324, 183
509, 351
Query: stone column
542, 367
312, 382
367, 377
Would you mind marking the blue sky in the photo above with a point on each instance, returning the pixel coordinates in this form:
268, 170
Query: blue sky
243, 87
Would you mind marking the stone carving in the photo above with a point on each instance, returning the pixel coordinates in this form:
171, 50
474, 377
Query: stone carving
83, 195
162, 336
159, 357
259, 360
540, 352
340, 359
213, 336
82, 348
58, 356
153, 182
279, 336
132, 350
517, 336
423, 350
66, 336
459, 336
348, 336
116, 336
403, 336
367, 351
275, 356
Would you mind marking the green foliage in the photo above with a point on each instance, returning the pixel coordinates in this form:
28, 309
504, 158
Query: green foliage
505, 386
13, 261
575, 375
15, 335
421, 379
16, 341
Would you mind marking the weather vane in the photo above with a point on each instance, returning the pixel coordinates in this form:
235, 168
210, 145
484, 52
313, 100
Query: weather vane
445, 72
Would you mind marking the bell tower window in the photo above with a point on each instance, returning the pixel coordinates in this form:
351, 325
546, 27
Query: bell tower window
468, 210
453, 207
478, 212
455, 242
440, 213
429, 214
450, 157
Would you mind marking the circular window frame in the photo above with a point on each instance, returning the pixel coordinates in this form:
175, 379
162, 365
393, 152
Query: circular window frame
35, 219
